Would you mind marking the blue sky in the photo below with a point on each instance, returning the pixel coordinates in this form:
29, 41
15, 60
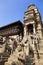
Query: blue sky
13, 10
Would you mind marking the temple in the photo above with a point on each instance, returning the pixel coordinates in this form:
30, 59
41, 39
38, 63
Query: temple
22, 44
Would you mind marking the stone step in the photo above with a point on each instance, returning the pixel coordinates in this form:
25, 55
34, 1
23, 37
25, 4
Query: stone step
41, 48
40, 51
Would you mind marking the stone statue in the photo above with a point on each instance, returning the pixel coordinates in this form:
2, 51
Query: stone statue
21, 52
17, 57
2, 45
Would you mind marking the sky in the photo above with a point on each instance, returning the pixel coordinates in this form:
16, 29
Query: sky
13, 10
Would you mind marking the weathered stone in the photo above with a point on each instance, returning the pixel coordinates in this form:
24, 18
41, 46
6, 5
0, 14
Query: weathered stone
22, 44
